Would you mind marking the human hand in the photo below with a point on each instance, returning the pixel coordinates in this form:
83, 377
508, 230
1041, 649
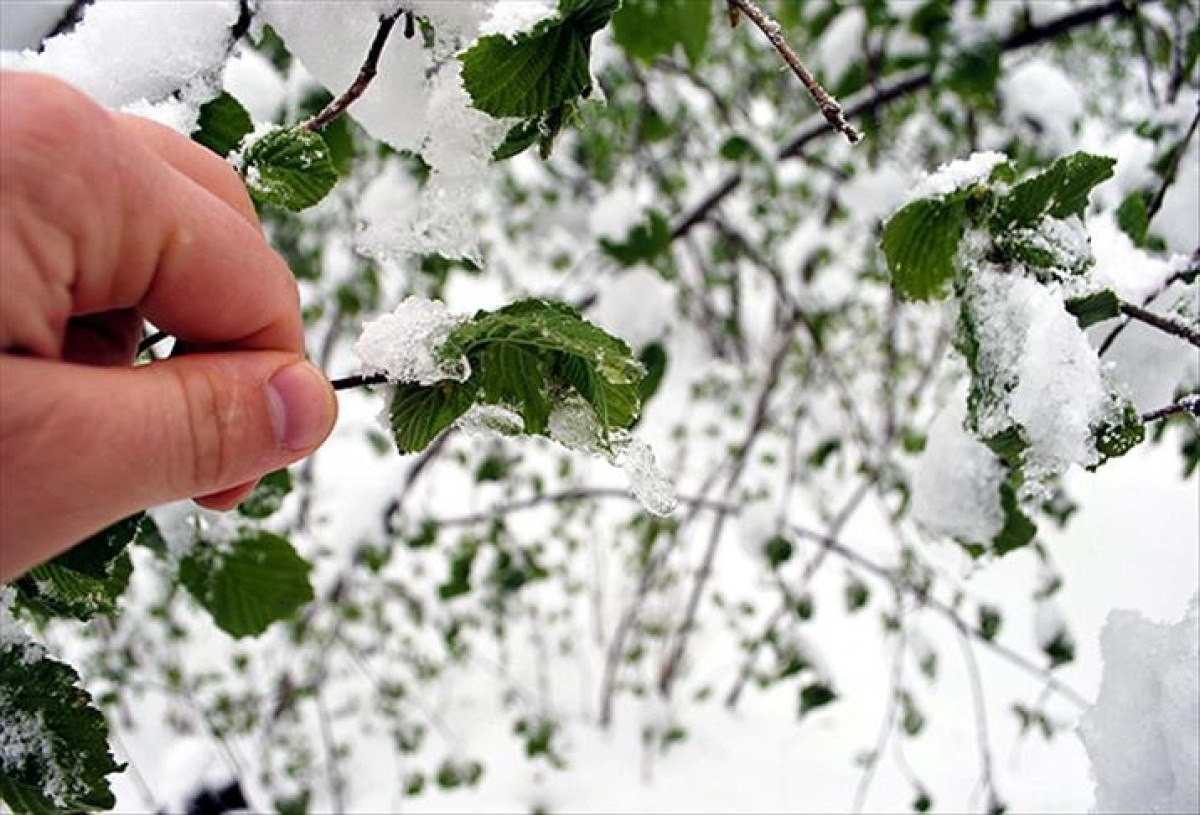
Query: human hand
106, 220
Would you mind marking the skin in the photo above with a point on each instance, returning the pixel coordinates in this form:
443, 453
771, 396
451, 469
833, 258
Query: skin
107, 220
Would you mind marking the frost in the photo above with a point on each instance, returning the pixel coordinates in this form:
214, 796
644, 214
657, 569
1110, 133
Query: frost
124, 54
1037, 371
403, 345
956, 489
1143, 734
573, 424
957, 174
1067, 241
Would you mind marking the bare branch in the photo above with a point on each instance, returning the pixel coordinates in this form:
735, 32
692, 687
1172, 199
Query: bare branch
1188, 404
1163, 323
358, 381
361, 82
829, 106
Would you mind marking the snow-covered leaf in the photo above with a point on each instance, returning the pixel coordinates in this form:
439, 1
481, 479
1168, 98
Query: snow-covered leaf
54, 742
268, 495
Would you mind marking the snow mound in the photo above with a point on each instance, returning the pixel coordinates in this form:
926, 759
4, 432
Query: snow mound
957, 174
403, 345
1143, 734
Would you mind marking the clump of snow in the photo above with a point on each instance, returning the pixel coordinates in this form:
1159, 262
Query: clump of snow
1143, 734
512, 17
124, 54
1040, 92
24, 740
573, 424
1038, 372
958, 174
956, 489
404, 345
1066, 239
251, 79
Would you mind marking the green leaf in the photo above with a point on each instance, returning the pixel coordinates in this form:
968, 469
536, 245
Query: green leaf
1115, 439
1018, 530
55, 755
259, 580
989, 622
974, 73
920, 243
515, 376
1094, 308
814, 696
648, 29
268, 495
1133, 216
857, 594
289, 167
643, 243
912, 720
1060, 649
86, 580
520, 137
778, 551
1059, 191
222, 125
654, 359
539, 70
418, 413
579, 355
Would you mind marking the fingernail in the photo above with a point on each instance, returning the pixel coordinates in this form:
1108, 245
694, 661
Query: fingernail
300, 406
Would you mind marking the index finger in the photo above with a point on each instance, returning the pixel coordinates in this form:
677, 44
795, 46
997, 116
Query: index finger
141, 233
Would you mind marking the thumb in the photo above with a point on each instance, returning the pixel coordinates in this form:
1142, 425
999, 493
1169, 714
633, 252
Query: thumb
85, 446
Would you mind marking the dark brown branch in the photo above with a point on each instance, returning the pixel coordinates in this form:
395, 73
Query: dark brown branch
361, 82
1163, 323
829, 106
1172, 171
152, 340
871, 101
1188, 404
358, 381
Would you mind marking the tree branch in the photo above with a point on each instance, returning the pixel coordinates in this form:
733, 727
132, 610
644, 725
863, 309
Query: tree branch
361, 82
358, 381
1163, 323
870, 100
1188, 404
829, 106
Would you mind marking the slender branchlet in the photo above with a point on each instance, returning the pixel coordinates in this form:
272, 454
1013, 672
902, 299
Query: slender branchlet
1188, 404
1168, 325
361, 82
829, 106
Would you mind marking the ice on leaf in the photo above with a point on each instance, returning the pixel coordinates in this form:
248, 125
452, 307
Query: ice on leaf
958, 174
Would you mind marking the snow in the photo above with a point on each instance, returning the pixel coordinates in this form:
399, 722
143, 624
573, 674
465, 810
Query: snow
1038, 91
958, 174
25, 22
956, 487
1038, 371
404, 345
250, 78
512, 17
137, 54
1143, 733
488, 420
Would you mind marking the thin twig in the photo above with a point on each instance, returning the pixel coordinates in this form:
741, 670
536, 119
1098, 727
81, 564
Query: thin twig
1173, 170
366, 73
579, 494
358, 381
1188, 404
829, 106
152, 340
979, 703
1163, 323
888, 724
889, 576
